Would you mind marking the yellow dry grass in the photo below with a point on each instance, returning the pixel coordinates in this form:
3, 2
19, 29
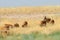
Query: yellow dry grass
33, 25
28, 10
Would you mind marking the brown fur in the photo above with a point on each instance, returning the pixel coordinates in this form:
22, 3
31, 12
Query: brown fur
43, 23
16, 25
52, 21
7, 26
25, 24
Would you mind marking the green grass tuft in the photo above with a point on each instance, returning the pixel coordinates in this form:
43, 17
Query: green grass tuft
33, 36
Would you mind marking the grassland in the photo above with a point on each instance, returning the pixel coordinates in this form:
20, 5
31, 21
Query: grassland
33, 36
33, 31
29, 10
33, 24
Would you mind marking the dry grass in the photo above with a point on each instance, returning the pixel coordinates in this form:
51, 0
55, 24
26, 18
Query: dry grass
29, 10
33, 25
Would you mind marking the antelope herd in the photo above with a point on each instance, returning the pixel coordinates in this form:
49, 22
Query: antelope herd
46, 20
25, 24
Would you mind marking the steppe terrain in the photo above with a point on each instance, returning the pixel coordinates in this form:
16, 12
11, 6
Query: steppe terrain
30, 10
33, 20
34, 16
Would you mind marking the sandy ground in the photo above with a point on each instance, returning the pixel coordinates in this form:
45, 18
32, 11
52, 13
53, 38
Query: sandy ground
33, 24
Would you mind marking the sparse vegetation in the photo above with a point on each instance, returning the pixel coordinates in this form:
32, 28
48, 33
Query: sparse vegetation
33, 36
33, 31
